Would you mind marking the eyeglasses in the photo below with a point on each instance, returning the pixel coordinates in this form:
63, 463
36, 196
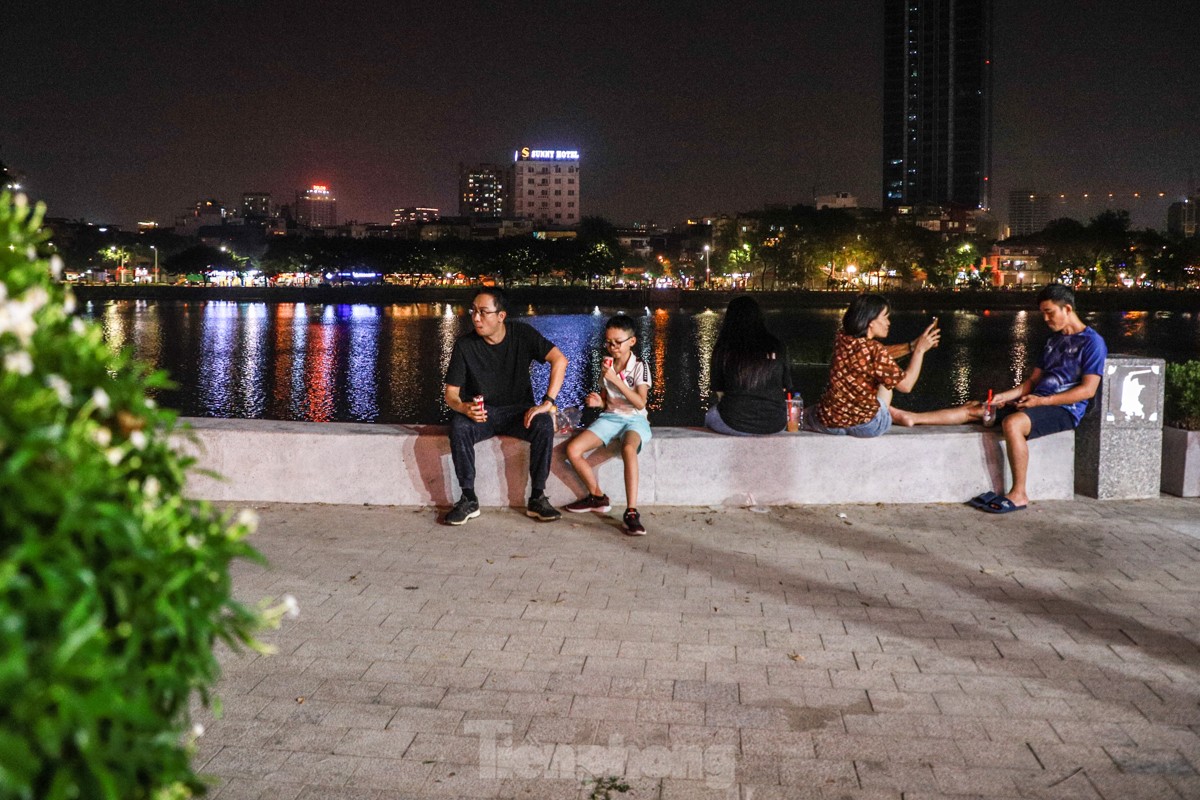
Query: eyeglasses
481, 312
615, 342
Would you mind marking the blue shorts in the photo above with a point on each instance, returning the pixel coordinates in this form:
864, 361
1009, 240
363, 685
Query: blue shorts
610, 425
1043, 420
877, 426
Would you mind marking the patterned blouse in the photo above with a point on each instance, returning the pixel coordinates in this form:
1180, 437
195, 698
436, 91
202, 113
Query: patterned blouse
859, 367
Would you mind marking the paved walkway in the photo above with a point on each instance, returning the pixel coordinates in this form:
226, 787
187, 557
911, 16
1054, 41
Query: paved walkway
820, 652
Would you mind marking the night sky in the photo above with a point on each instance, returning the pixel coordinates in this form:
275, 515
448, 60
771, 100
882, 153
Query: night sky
123, 111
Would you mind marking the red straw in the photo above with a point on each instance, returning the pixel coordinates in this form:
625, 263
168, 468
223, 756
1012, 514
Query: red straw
989, 400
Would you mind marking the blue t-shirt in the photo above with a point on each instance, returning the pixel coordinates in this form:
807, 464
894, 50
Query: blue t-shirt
1065, 360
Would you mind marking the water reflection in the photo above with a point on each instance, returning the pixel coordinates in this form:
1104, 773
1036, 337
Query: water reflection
385, 364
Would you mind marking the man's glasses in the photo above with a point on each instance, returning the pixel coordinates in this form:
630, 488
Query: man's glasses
481, 312
616, 342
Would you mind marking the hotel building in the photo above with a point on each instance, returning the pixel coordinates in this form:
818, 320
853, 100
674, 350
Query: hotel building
545, 187
316, 207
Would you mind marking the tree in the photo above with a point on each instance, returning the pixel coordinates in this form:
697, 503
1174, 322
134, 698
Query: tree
199, 259
116, 585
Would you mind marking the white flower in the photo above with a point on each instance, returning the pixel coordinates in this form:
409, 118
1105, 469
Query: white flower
193, 541
35, 298
17, 316
19, 362
290, 606
114, 455
102, 436
138, 439
247, 519
151, 487
61, 388
150, 403
69, 303
31, 253
56, 267
197, 730
100, 398
78, 327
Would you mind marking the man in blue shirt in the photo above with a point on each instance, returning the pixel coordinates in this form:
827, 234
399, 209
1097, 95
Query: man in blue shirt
1053, 398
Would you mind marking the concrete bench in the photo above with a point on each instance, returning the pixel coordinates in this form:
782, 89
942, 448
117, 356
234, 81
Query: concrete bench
306, 462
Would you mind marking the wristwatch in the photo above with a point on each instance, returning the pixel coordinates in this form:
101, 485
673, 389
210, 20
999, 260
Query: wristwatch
548, 399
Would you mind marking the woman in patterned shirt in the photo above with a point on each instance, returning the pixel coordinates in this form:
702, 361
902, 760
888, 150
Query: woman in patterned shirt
864, 372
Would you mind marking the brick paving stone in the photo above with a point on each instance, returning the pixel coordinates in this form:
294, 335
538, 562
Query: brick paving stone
704, 692
389, 743
312, 792
604, 708
743, 674
642, 688
572, 646
243, 789
302, 737
406, 694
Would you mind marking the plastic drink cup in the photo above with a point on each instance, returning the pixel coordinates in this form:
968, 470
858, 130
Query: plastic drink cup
608, 362
795, 407
478, 400
989, 412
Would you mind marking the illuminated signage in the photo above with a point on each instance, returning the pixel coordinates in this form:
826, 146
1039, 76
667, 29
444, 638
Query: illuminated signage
529, 154
319, 188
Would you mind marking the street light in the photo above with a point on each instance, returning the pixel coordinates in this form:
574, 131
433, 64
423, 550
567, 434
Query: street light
155, 249
707, 266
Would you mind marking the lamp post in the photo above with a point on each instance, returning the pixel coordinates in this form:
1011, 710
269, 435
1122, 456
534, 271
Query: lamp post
707, 266
155, 249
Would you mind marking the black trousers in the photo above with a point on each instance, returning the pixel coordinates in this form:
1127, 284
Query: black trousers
503, 421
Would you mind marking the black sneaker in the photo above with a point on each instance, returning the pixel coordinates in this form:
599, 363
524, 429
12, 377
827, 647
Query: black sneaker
540, 509
463, 510
633, 523
590, 502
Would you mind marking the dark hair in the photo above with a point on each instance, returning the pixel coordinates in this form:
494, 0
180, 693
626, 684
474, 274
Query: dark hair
863, 309
1058, 294
622, 322
744, 346
497, 295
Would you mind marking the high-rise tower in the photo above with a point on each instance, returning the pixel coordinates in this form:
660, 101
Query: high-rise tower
937, 102
481, 191
316, 207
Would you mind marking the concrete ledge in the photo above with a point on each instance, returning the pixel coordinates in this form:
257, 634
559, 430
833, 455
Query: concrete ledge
308, 462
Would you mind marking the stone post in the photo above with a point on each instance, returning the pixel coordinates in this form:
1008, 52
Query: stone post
1118, 445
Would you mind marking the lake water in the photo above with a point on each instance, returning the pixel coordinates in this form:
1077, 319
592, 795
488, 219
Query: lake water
371, 363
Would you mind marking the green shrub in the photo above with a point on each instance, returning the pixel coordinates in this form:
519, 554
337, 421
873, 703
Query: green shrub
113, 587
1183, 395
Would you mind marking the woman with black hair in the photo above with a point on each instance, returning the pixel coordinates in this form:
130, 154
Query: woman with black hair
750, 374
864, 372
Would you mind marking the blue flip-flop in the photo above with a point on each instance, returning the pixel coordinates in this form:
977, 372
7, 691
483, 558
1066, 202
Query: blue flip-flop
1000, 505
980, 500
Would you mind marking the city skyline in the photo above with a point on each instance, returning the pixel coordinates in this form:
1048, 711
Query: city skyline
136, 111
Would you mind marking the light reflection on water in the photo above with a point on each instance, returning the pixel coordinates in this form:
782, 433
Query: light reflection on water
385, 363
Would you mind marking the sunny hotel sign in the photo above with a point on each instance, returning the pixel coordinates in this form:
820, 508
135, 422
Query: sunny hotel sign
529, 154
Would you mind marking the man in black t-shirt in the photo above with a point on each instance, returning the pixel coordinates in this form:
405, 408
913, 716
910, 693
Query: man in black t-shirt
493, 361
